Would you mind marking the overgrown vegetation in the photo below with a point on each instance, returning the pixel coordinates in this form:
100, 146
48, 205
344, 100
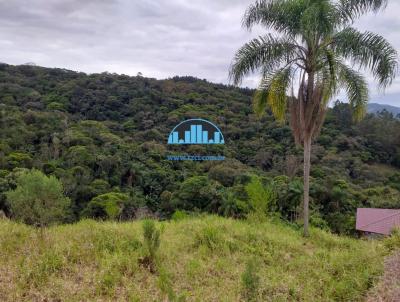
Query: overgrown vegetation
393, 241
250, 281
38, 200
106, 143
202, 258
261, 199
151, 237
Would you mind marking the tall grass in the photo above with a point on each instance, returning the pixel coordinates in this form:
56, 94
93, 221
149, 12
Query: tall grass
250, 281
203, 259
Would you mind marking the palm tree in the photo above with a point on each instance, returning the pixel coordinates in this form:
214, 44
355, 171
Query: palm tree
314, 49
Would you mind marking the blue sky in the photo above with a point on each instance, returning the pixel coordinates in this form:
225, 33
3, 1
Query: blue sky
160, 38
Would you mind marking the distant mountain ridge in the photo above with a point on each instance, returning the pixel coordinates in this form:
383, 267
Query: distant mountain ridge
375, 108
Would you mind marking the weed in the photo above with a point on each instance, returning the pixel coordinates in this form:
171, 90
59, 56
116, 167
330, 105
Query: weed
250, 281
210, 237
151, 243
179, 215
261, 199
393, 242
165, 285
37, 271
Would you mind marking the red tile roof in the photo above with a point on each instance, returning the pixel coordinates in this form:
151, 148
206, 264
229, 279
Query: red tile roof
380, 221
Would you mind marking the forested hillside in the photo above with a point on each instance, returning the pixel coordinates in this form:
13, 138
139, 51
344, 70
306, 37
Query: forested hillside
104, 137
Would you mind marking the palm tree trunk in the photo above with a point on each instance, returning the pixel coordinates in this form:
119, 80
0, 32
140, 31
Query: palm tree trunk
307, 164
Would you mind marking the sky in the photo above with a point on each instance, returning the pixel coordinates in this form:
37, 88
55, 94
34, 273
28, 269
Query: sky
159, 38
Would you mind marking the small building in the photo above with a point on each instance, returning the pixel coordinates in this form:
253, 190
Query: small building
377, 221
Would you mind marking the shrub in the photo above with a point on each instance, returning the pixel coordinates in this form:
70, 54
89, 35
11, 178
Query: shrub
179, 215
288, 195
56, 106
19, 159
225, 175
261, 198
165, 285
250, 281
316, 220
210, 237
38, 199
99, 186
151, 243
235, 202
393, 242
198, 193
106, 206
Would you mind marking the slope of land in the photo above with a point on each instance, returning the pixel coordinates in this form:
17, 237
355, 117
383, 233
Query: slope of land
202, 259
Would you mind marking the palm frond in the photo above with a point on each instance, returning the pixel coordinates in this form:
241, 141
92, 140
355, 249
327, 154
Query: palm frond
267, 52
272, 93
328, 76
356, 89
319, 19
352, 9
368, 50
280, 15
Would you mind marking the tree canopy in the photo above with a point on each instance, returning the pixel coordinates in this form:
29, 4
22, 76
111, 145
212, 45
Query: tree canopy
124, 147
38, 199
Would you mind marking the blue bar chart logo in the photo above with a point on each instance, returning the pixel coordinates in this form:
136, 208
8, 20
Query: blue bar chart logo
195, 131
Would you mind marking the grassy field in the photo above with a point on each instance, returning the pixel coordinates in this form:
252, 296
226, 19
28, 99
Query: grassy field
200, 259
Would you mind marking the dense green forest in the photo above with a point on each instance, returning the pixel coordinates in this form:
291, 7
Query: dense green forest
104, 136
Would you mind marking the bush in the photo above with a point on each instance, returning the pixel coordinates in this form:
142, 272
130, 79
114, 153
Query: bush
99, 186
165, 284
235, 202
210, 237
151, 243
261, 198
225, 175
106, 206
316, 220
38, 199
288, 195
393, 242
250, 281
198, 193
179, 215
56, 106
18, 159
